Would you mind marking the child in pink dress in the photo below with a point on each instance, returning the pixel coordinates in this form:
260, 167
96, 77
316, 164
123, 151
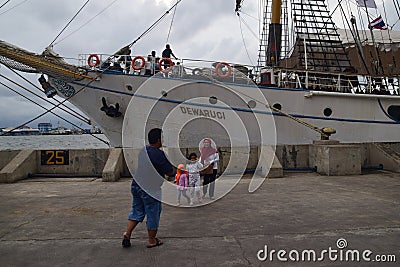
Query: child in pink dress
182, 182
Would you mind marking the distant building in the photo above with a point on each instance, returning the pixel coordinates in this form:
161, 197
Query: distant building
24, 130
45, 127
60, 130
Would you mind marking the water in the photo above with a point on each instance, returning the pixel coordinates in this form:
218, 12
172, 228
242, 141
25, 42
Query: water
40, 142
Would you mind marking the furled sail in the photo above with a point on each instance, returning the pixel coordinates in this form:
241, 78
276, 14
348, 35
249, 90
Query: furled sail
20, 59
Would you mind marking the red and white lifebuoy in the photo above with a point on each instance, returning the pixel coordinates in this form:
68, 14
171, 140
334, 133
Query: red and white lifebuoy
93, 63
138, 67
160, 64
219, 67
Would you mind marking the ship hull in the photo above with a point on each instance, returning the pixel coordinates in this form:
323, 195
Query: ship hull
357, 118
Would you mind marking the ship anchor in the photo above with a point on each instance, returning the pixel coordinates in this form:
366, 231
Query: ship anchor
110, 110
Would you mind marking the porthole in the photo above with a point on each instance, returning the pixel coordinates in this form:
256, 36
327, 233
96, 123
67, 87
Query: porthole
394, 112
327, 112
213, 100
252, 104
277, 106
129, 87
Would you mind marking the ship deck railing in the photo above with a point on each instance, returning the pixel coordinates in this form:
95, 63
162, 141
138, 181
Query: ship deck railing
336, 82
182, 68
196, 69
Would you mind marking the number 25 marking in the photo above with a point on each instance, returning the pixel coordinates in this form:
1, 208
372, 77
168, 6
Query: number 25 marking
55, 157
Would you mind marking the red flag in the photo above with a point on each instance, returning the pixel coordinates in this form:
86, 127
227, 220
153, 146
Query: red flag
377, 23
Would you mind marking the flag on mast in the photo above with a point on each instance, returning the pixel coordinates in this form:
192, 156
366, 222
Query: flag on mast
378, 23
366, 3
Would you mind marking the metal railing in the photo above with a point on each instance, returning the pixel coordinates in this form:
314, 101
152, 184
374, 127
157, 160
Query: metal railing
337, 82
244, 74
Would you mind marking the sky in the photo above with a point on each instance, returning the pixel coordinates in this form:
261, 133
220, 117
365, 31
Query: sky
207, 29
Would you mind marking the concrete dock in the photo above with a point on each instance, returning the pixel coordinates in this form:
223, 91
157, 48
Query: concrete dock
79, 222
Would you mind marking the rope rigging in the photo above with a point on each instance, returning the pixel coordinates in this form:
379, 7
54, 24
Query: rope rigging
87, 22
152, 26
397, 8
325, 132
360, 17
172, 21
47, 111
121, 51
249, 15
376, 48
148, 31
50, 110
87, 1
125, 50
5, 3
244, 42
247, 26
11, 8
64, 108
62, 103
355, 36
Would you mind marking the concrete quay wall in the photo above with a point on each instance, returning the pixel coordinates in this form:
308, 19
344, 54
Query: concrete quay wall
327, 158
371, 155
6, 156
21, 164
81, 162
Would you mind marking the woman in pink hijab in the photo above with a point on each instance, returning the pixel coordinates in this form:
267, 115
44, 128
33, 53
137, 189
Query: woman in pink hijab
209, 155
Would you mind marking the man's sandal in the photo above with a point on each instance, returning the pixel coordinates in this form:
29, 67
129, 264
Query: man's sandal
158, 243
126, 241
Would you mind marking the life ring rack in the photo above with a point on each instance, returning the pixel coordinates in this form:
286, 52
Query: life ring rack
218, 69
94, 63
166, 70
141, 66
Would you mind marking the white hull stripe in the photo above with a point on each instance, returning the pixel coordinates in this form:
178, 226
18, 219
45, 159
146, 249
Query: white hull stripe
246, 109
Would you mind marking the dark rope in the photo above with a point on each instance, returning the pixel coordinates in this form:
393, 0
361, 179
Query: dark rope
380, 67
42, 98
5, 3
355, 37
13, 7
170, 26
77, 115
397, 7
101, 72
244, 42
152, 26
69, 22
48, 110
61, 103
87, 22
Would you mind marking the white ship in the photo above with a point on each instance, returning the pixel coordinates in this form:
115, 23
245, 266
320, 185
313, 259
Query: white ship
311, 78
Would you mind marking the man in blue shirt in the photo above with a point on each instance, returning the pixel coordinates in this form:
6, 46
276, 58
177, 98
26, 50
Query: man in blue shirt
167, 53
146, 189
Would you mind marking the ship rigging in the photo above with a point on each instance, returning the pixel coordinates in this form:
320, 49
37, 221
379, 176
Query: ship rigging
308, 68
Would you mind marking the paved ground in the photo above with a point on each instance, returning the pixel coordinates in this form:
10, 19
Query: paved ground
79, 222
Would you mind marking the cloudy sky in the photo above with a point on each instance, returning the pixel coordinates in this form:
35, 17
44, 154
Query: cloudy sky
207, 29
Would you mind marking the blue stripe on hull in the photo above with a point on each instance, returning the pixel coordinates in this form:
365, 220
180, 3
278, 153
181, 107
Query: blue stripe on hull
249, 110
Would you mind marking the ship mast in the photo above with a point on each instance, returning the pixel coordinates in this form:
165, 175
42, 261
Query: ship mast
275, 34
